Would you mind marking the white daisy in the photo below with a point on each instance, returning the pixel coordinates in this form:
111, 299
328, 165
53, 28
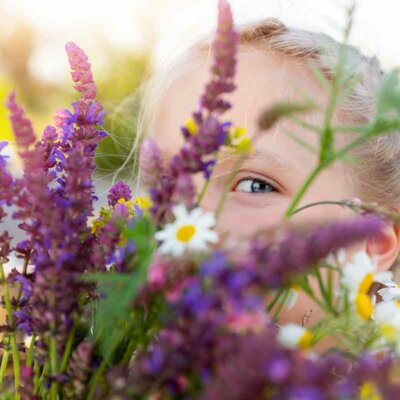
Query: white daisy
357, 278
294, 336
190, 231
361, 271
387, 317
390, 292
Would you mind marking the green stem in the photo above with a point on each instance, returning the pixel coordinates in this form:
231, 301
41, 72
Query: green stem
299, 195
322, 288
29, 360
4, 364
203, 191
276, 298
319, 203
67, 351
36, 373
95, 378
40, 386
53, 368
281, 304
326, 141
206, 183
328, 308
13, 338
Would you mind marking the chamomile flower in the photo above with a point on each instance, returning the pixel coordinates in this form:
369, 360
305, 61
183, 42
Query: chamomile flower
390, 292
295, 336
387, 317
190, 231
358, 276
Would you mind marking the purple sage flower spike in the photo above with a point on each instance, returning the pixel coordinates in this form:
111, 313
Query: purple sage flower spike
21, 125
151, 165
81, 71
224, 48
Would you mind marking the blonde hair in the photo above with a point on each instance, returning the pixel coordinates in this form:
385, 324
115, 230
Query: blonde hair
376, 175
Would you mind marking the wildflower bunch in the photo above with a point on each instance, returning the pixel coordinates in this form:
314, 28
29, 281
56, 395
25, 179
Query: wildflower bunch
140, 299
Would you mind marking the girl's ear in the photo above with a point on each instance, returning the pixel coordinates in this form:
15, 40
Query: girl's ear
385, 248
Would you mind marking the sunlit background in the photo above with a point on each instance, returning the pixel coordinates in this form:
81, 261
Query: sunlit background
124, 38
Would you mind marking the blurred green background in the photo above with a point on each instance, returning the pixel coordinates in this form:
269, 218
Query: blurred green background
41, 97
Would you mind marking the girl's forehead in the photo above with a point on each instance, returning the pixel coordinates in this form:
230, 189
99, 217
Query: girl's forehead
263, 78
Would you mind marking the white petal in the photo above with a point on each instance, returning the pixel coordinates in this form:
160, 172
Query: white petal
290, 334
180, 212
390, 283
195, 214
383, 276
207, 220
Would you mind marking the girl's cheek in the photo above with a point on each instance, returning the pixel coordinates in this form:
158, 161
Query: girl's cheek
241, 220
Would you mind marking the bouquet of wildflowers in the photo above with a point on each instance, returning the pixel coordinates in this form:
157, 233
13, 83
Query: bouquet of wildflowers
142, 300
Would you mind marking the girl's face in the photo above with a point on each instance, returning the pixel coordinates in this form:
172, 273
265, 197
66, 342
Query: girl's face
267, 180
265, 183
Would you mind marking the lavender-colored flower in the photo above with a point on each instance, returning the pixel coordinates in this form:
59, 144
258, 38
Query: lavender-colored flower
185, 190
298, 251
151, 165
54, 203
79, 368
22, 126
224, 48
81, 71
119, 191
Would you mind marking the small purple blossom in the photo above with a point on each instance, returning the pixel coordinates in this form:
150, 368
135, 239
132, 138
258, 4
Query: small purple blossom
118, 191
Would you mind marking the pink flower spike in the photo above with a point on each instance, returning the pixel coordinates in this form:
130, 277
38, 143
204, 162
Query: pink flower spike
81, 71
21, 125
226, 42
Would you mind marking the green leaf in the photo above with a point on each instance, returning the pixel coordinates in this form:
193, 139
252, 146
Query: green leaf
113, 319
142, 234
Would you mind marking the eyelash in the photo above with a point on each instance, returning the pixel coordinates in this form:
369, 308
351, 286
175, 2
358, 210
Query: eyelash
252, 178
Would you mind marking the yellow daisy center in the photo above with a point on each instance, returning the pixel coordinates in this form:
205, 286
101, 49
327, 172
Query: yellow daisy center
389, 332
366, 283
368, 391
363, 305
305, 340
185, 233
296, 287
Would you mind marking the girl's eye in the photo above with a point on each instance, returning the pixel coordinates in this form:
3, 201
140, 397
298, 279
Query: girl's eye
253, 185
